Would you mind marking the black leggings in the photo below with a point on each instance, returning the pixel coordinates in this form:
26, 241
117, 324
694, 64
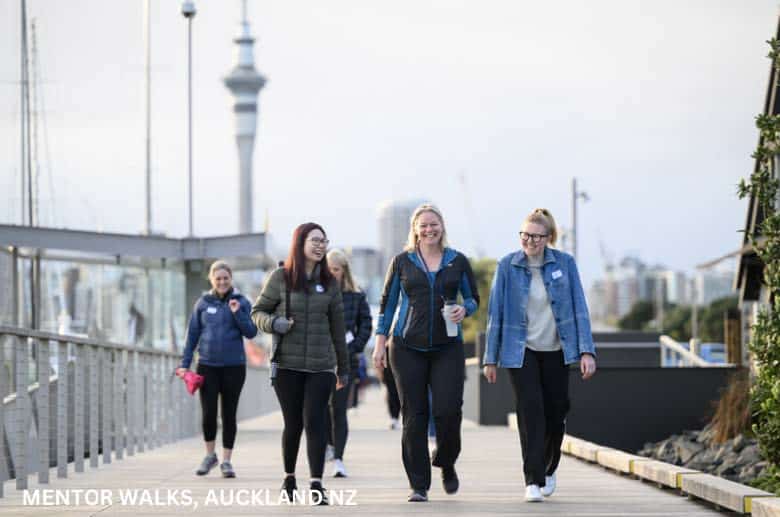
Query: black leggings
541, 389
226, 381
336, 419
303, 397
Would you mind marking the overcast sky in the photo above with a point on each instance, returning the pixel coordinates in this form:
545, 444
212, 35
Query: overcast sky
650, 104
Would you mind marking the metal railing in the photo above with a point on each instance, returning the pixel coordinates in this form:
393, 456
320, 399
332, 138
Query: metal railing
112, 400
675, 354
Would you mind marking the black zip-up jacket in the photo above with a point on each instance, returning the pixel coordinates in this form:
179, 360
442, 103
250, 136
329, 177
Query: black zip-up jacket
420, 324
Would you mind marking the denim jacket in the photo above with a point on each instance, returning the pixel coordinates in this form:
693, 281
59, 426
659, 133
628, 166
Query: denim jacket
507, 322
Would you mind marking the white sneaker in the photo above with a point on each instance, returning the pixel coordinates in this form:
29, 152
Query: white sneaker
330, 453
339, 470
549, 486
394, 424
533, 494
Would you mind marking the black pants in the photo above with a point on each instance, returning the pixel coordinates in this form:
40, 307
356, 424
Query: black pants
303, 397
393, 402
224, 383
443, 371
336, 419
541, 389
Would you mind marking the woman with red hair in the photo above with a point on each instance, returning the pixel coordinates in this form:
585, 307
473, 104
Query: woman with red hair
301, 304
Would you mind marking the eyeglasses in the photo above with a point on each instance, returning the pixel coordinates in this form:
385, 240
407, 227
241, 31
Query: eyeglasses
534, 237
316, 241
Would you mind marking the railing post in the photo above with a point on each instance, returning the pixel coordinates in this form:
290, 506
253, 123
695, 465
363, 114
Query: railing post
145, 402
94, 405
79, 403
139, 403
22, 428
131, 405
43, 410
119, 430
3, 459
107, 400
62, 409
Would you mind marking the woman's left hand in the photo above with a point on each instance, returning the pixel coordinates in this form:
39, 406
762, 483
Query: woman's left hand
587, 366
458, 314
341, 382
234, 306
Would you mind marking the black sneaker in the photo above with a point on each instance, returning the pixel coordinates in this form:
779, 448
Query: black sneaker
418, 496
289, 486
316, 487
449, 479
208, 463
227, 470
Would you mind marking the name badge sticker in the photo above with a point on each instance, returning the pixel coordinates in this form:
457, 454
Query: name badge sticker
319, 288
211, 310
556, 274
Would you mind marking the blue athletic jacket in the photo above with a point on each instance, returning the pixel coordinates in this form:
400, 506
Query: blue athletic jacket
217, 332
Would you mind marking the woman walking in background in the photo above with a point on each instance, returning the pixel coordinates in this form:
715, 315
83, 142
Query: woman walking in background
357, 321
426, 347
219, 323
538, 324
302, 303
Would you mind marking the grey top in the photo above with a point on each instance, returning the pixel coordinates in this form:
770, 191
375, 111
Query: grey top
542, 332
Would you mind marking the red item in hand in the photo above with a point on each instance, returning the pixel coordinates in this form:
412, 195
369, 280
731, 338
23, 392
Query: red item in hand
193, 381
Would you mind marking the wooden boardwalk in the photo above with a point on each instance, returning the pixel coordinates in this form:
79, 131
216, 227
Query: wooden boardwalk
489, 469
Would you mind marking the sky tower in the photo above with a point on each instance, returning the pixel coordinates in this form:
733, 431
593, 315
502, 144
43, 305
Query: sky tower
244, 84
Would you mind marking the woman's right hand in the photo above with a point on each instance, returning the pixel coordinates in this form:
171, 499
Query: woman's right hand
490, 372
180, 372
380, 353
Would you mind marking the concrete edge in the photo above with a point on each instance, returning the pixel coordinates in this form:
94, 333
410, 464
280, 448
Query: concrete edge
766, 503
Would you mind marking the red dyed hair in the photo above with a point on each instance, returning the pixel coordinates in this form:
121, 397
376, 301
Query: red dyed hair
295, 263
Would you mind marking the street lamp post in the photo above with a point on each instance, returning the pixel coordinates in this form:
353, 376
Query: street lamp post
188, 10
575, 195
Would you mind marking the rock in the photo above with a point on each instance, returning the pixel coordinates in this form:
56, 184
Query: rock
723, 451
686, 449
749, 455
728, 465
738, 443
666, 452
706, 434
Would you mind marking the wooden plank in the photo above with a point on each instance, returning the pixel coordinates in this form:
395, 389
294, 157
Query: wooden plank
724, 493
765, 507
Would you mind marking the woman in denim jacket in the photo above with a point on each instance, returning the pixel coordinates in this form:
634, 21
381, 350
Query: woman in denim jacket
538, 324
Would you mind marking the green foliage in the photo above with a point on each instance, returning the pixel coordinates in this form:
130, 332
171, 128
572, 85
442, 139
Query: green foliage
677, 319
638, 317
765, 340
483, 274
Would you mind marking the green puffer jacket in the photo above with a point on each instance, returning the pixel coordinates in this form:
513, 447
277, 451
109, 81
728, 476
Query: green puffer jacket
317, 340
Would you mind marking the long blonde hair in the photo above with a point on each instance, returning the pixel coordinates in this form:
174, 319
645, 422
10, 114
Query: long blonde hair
339, 258
544, 217
413, 239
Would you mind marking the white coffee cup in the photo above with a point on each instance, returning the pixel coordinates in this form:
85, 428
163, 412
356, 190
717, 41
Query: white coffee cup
447, 313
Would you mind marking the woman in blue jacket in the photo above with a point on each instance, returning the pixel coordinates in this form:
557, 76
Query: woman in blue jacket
538, 324
426, 346
217, 328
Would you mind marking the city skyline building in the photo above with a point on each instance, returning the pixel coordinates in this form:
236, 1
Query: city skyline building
393, 226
